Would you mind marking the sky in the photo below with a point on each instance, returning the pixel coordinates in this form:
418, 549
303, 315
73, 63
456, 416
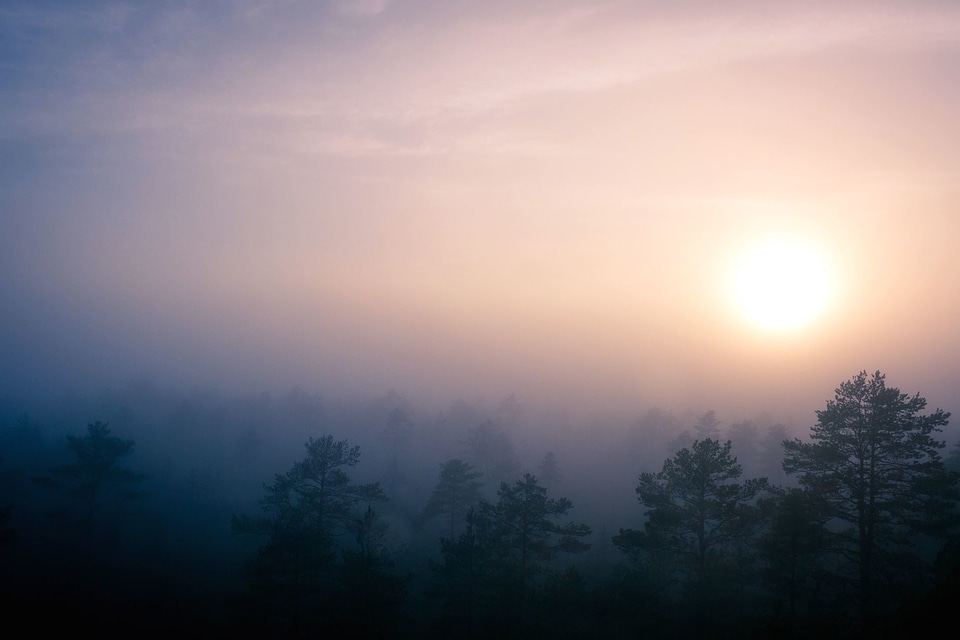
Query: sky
464, 199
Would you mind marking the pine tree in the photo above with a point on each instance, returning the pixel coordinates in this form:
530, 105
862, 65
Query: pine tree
97, 477
525, 518
875, 462
697, 511
488, 572
305, 510
455, 493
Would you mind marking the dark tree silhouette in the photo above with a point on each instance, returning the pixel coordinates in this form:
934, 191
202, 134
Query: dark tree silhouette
525, 517
463, 579
874, 461
97, 476
697, 511
792, 546
455, 493
305, 509
491, 566
526, 534
369, 594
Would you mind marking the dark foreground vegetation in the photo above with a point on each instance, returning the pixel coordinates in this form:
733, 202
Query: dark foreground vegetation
291, 516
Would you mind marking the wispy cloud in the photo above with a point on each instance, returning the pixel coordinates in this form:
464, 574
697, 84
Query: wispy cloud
425, 73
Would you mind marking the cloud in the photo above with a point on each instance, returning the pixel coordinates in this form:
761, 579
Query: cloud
425, 73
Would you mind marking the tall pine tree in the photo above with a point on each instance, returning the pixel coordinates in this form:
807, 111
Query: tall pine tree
875, 462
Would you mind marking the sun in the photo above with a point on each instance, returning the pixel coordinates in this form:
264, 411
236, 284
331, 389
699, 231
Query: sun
781, 285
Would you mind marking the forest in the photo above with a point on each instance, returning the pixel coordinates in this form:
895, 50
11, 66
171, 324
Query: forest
150, 510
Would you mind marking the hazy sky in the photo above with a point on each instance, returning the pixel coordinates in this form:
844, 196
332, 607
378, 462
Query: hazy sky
453, 198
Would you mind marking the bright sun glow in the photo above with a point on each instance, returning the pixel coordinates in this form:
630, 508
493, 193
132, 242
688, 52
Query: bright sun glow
781, 286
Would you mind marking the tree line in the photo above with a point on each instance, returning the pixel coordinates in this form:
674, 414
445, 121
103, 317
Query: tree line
862, 541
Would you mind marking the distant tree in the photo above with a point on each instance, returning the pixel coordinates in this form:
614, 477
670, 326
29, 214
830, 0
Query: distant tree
305, 510
683, 440
24, 444
697, 510
395, 433
249, 447
548, 471
455, 493
655, 425
490, 450
97, 477
509, 411
874, 461
745, 436
771, 452
708, 426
